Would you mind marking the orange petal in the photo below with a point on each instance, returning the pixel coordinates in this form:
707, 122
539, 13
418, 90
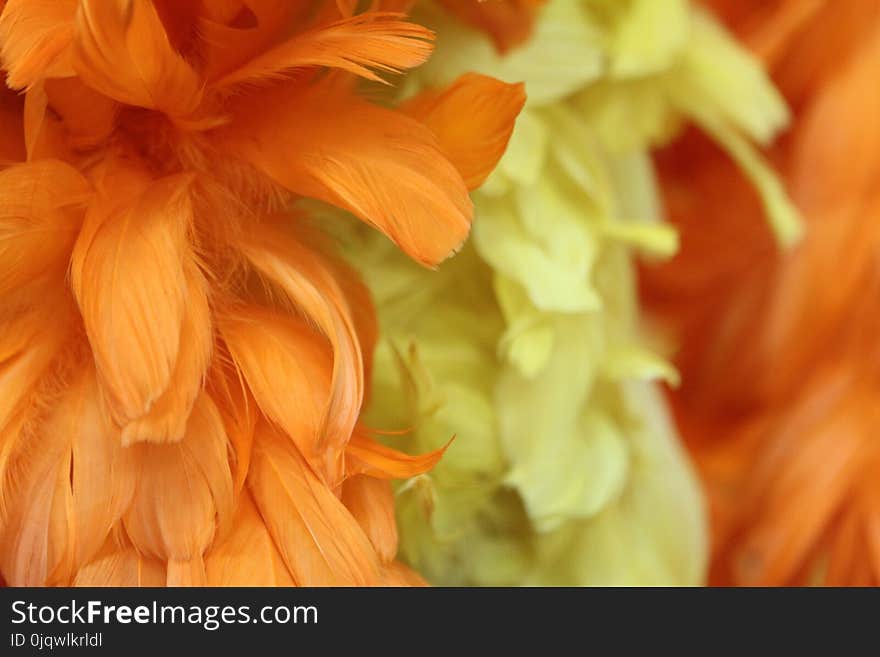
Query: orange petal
322, 544
473, 119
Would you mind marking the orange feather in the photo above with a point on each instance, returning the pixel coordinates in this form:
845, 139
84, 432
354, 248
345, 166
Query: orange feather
36, 38
182, 368
121, 50
356, 44
473, 120
366, 159
320, 541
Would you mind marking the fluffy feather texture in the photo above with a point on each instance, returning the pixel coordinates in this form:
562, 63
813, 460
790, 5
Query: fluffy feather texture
121, 49
363, 158
182, 359
360, 45
36, 39
473, 146
38, 221
309, 282
779, 355
129, 261
530, 346
320, 540
508, 22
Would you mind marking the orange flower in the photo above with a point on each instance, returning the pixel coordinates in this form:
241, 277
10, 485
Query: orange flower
779, 357
182, 362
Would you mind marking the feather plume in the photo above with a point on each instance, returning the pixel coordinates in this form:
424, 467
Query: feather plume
129, 260
357, 45
36, 38
473, 120
363, 158
183, 493
182, 367
320, 541
121, 49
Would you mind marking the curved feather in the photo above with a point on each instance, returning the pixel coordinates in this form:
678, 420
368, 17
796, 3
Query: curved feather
238, 410
37, 546
473, 119
40, 211
358, 45
129, 275
371, 502
286, 365
122, 50
30, 340
316, 291
35, 40
184, 491
167, 418
74, 483
379, 164
103, 472
320, 541
366, 456
121, 567
397, 574
233, 32
247, 556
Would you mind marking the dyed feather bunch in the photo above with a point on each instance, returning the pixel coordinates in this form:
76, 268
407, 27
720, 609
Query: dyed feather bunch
182, 359
529, 345
779, 354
